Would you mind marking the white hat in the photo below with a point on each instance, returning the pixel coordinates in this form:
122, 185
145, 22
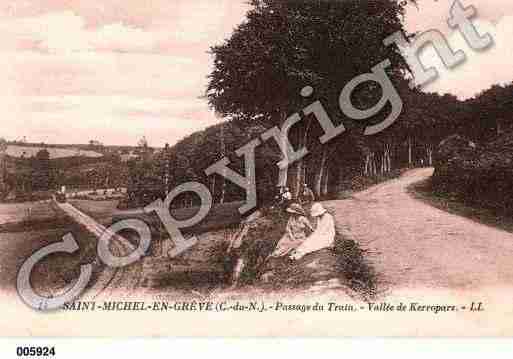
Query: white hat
318, 210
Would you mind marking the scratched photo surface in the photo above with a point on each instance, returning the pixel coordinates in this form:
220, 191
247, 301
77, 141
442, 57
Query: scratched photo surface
256, 168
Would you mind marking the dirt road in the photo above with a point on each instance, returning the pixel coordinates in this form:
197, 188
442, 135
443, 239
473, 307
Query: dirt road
413, 244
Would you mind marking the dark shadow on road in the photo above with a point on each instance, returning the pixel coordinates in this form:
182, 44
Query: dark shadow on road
453, 204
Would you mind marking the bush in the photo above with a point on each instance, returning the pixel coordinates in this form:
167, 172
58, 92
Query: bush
475, 174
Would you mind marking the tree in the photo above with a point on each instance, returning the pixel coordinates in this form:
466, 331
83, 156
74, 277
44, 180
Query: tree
41, 171
285, 45
95, 145
489, 113
143, 143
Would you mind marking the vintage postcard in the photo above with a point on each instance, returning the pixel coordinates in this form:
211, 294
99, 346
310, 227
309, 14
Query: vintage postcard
256, 168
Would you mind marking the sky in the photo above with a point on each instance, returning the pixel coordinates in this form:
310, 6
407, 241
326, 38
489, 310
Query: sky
116, 70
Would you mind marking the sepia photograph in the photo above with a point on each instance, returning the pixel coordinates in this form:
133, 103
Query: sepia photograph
256, 168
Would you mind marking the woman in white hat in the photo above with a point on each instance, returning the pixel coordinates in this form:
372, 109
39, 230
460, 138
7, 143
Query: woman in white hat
298, 228
322, 237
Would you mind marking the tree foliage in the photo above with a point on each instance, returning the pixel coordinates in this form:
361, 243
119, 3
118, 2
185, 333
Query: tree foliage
288, 44
285, 45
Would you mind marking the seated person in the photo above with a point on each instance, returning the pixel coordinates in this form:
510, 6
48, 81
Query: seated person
284, 197
323, 236
297, 230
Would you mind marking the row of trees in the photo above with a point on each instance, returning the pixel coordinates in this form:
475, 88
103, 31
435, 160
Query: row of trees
261, 69
28, 178
329, 168
22, 177
489, 114
259, 74
256, 82
153, 174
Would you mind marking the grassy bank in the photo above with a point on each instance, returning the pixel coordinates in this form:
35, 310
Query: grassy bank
345, 263
456, 204
30, 216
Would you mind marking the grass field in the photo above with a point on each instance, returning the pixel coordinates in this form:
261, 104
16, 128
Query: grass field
102, 211
15, 218
52, 273
17, 151
19, 238
18, 212
221, 216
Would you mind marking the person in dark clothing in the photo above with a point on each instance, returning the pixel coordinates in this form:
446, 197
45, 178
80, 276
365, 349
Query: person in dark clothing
306, 195
284, 198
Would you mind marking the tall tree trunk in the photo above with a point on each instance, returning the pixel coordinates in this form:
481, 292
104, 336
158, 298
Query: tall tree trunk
223, 180
373, 170
386, 158
383, 165
300, 166
320, 173
325, 180
429, 151
298, 178
223, 191
366, 165
389, 155
410, 152
284, 172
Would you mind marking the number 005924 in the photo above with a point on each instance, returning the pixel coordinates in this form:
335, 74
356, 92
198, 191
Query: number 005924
35, 351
